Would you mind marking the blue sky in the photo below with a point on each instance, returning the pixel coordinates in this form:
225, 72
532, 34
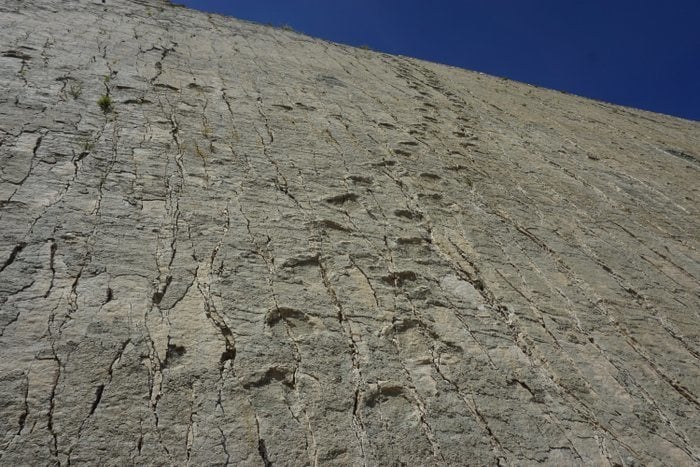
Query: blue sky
639, 53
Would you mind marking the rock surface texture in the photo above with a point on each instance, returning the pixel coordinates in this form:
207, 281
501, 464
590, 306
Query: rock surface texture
266, 249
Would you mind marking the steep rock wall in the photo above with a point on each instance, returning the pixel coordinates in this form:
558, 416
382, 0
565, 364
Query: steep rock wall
266, 249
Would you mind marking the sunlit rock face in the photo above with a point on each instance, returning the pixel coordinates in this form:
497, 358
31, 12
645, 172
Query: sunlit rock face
226, 243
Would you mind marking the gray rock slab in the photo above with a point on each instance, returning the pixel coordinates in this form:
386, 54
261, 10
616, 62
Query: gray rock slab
268, 249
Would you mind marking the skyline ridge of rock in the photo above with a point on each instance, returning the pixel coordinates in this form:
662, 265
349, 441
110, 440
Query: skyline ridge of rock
225, 243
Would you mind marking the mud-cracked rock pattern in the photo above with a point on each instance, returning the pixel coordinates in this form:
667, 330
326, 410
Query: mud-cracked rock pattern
266, 249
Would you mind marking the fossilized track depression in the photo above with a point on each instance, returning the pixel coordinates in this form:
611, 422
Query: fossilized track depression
273, 249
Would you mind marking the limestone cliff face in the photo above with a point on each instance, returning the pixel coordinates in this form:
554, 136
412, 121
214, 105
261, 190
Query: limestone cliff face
266, 249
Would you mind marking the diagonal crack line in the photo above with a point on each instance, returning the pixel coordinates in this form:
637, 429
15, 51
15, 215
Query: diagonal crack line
99, 395
13, 255
35, 149
215, 317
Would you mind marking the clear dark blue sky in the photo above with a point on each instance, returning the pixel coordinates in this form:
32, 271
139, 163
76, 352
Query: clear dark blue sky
640, 53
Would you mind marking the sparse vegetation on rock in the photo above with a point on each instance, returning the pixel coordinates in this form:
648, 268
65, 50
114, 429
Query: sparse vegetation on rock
105, 103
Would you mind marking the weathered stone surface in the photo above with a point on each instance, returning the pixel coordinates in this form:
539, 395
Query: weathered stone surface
277, 250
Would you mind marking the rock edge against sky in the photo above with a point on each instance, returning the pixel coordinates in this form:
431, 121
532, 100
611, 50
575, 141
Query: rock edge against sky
266, 249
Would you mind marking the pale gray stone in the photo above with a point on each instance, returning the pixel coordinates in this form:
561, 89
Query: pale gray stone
268, 249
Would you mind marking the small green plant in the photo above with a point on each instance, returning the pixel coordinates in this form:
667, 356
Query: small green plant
105, 103
88, 145
200, 153
206, 130
75, 90
287, 27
